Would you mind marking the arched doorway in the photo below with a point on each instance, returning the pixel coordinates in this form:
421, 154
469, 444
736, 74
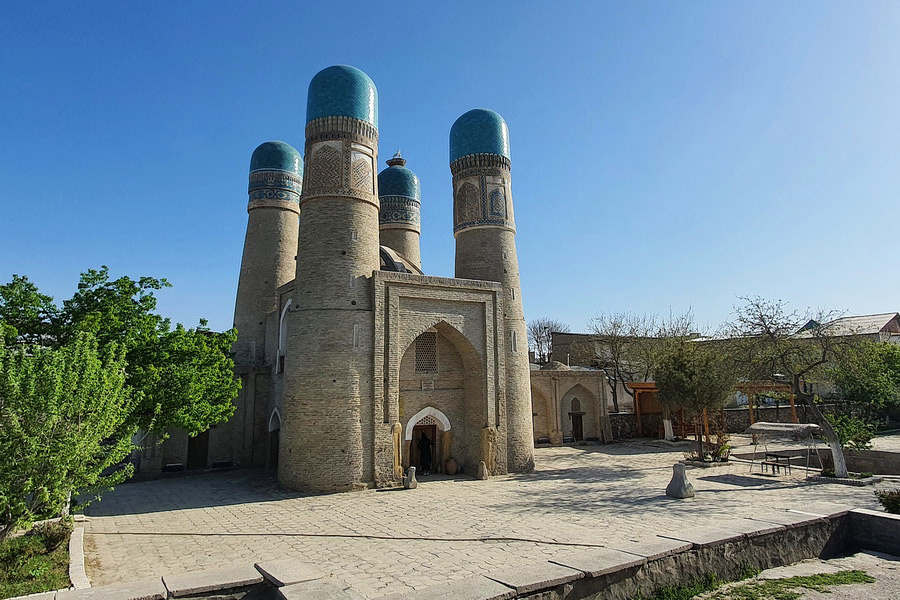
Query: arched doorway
578, 411
428, 438
441, 381
274, 438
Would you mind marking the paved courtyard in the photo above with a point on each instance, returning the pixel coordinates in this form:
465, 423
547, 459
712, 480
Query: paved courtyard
448, 529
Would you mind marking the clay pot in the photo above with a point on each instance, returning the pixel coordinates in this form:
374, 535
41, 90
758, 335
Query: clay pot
450, 467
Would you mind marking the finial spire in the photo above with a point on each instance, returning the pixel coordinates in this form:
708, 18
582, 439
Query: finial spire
397, 160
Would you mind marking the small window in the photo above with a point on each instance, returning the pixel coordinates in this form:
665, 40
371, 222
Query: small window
426, 352
514, 341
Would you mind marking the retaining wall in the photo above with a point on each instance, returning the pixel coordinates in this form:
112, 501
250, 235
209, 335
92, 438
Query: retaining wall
620, 570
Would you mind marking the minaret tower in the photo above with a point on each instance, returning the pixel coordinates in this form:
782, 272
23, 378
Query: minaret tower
328, 381
400, 198
276, 172
485, 232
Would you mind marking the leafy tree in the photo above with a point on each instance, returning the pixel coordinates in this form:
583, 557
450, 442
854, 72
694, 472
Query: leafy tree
540, 339
777, 344
693, 377
64, 427
180, 378
868, 376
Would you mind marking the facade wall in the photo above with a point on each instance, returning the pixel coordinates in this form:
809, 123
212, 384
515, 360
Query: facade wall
454, 390
465, 314
553, 392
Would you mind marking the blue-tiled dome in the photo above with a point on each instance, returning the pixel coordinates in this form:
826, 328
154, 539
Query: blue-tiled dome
342, 91
479, 131
276, 156
397, 180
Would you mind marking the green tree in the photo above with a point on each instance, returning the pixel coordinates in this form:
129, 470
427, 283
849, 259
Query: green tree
181, 378
868, 376
694, 377
776, 344
63, 427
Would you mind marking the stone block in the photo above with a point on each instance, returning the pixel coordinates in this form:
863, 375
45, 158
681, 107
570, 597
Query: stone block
148, 589
652, 549
829, 510
749, 527
535, 576
600, 561
704, 537
319, 589
471, 588
38, 596
213, 580
288, 571
788, 519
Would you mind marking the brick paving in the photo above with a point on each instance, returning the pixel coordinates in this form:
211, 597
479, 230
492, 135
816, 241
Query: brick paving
390, 541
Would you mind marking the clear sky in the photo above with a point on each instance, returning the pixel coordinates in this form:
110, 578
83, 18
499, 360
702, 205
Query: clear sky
665, 155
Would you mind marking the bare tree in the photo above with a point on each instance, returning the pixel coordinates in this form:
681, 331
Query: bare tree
626, 346
540, 340
779, 345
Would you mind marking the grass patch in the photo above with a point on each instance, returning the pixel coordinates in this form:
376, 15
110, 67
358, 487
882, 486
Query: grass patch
697, 587
35, 562
773, 589
786, 589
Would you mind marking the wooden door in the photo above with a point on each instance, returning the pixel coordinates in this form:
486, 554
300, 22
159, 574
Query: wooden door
578, 427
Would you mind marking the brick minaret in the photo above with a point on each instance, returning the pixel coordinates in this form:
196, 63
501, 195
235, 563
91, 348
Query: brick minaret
327, 433
400, 199
485, 232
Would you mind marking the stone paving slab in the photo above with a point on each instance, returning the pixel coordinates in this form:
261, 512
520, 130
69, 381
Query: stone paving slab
528, 578
447, 530
823, 509
149, 589
652, 549
318, 590
788, 518
704, 537
749, 527
600, 561
475, 588
212, 580
288, 571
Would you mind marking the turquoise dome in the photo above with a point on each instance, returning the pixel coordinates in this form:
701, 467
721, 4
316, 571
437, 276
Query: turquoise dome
342, 91
276, 156
479, 131
397, 180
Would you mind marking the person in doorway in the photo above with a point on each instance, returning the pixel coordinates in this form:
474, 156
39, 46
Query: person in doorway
425, 445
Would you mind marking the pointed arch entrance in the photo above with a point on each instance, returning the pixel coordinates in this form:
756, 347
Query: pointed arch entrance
442, 398
274, 438
578, 411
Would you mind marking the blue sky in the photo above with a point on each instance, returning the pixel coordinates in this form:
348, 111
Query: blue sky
666, 155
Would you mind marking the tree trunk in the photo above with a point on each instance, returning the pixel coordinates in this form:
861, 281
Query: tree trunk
615, 397
667, 425
837, 453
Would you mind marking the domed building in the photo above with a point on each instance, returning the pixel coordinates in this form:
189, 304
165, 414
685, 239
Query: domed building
354, 363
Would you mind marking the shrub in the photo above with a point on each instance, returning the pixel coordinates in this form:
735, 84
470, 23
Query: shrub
828, 473
890, 500
852, 431
54, 533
